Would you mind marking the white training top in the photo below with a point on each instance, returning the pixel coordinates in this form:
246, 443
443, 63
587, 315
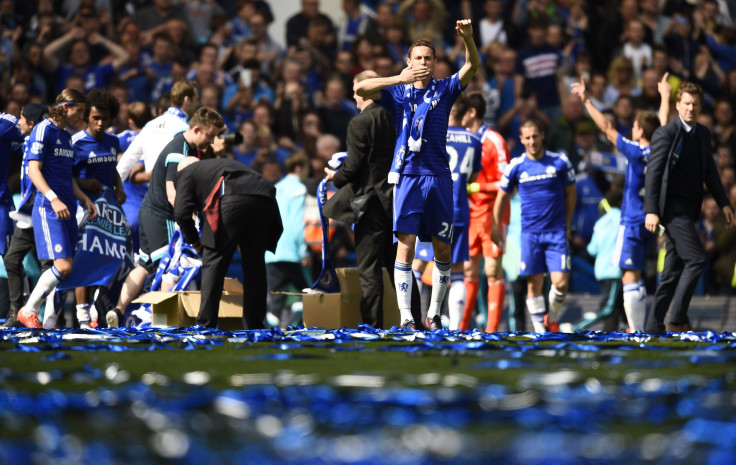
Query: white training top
152, 139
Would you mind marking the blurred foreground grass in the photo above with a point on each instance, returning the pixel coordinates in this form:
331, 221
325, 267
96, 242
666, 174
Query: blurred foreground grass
105, 398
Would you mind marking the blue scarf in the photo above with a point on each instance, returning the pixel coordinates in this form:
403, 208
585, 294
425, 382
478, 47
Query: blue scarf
177, 112
410, 137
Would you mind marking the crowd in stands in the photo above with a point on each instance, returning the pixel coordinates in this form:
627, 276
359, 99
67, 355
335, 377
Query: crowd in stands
292, 103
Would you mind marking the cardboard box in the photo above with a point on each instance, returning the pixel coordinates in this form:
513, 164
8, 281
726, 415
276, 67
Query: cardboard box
335, 310
181, 308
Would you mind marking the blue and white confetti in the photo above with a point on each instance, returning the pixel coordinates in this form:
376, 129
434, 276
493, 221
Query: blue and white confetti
574, 414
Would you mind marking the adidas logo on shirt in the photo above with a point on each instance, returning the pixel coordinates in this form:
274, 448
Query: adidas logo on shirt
58, 141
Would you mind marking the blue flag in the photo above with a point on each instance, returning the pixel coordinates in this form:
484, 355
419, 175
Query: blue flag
327, 280
104, 244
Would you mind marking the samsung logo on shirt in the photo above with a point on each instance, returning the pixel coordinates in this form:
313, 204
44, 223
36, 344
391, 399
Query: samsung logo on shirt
537, 177
64, 153
104, 159
431, 105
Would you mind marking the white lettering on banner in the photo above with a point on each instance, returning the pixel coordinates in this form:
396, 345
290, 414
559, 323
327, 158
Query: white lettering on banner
112, 215
111, 248
96, 245
106, 225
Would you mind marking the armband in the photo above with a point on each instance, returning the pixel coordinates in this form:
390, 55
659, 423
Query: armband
50, 195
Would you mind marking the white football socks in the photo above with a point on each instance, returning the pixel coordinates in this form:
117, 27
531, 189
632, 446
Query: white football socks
403, 278
83, 315
536, 311
556, 299
456, 299
635, 303
46, 283
440, 283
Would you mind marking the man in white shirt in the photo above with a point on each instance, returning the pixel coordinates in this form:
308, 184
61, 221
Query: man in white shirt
492, 26
158, 132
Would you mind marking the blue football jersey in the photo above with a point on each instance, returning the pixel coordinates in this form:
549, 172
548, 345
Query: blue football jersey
27, 189
53, 147
432, 160
541, 185
25, 182
632, 206
464, 150
10, 139
125, 138
95, 77
96, 158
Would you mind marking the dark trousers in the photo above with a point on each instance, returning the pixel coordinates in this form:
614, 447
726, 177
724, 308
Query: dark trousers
518, 293
280, 276
683, 265
21, 243
244, 222
374, 252
612, 304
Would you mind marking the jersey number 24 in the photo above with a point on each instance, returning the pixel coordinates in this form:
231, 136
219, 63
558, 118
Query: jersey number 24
466, 162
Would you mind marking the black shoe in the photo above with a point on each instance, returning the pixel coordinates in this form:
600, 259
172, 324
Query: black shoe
409, 325
12, 321
434, 323
679, 327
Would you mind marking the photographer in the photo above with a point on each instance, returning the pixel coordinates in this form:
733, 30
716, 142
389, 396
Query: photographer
222, 146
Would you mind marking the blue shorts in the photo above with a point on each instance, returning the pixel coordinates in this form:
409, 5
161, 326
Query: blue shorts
632, 244
544, 252
460, 247
423, 205
55, 238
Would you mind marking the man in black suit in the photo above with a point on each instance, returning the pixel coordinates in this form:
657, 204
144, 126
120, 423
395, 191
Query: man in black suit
363, 178
679, 163
238, 208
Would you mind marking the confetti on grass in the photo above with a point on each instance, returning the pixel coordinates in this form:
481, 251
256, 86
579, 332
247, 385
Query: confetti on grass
364, 396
